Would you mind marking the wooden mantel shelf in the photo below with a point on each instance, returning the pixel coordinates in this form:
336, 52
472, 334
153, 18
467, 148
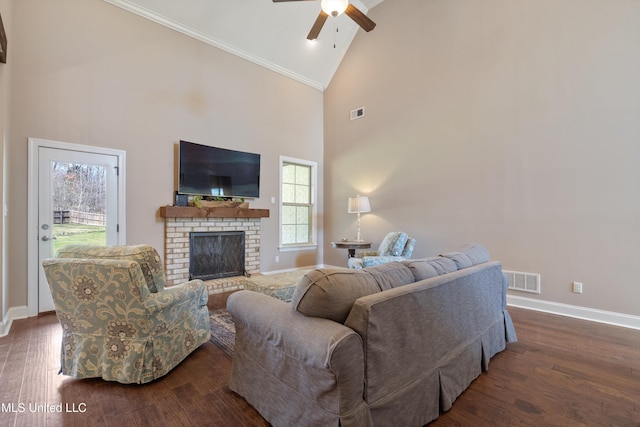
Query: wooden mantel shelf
193, 212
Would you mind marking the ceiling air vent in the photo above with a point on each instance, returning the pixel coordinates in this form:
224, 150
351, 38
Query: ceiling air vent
357, 113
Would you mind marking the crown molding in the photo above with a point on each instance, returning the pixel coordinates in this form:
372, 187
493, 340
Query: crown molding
152, 16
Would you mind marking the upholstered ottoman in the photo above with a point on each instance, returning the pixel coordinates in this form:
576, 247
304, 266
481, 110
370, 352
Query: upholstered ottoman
277, 285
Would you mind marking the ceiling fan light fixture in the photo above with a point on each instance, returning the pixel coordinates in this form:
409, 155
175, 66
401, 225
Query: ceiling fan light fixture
334, 7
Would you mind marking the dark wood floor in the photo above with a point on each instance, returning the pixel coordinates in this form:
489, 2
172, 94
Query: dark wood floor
562, 372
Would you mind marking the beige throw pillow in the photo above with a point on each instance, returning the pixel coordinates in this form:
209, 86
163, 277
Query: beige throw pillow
330, 292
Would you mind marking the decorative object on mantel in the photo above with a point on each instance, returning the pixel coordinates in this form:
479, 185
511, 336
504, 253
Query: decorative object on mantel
223, 204
3, 43
219, 202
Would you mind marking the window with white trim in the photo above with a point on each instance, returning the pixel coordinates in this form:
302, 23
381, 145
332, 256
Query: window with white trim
297, 203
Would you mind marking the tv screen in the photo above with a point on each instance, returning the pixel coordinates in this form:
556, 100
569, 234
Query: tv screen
212, 171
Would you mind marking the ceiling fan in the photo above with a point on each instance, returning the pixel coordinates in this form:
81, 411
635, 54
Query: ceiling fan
335, 8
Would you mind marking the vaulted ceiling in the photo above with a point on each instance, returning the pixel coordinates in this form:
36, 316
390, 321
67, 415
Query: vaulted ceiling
273, 35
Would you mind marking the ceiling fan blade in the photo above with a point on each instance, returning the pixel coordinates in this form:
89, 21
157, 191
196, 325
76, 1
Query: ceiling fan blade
317, 26
360, 18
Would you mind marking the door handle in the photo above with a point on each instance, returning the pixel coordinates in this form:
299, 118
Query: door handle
47, 238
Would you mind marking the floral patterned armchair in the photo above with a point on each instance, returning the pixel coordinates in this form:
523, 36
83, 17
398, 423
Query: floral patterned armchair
396, 246
119, 322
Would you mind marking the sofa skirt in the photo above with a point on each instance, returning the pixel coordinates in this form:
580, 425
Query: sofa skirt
422, 401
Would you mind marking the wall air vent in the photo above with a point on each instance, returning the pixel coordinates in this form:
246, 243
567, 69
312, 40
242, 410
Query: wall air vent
523, 282
357, 113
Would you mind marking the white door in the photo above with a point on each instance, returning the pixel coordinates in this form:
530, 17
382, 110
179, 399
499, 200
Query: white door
77, 203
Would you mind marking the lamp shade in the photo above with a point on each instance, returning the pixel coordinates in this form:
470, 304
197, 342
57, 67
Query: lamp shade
334, 7
359, 204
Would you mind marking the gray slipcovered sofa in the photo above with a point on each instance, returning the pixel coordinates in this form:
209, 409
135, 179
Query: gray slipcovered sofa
393, 344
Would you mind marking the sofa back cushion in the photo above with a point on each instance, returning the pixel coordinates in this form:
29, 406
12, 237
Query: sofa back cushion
391, 275
477, 254
330, 292
470, 254
421, 269
427, 268
145, 255
461, 259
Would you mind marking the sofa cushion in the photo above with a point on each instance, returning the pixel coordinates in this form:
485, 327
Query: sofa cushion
393, 243
430, 267
421, 269
442, 265
146, 256
477, 254
391, 275
461, 259
330, 292
470, 254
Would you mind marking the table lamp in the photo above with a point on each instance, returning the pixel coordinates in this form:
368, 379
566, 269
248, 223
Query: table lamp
358, 205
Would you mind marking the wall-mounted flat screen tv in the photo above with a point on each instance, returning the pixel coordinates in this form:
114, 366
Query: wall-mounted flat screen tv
219, 172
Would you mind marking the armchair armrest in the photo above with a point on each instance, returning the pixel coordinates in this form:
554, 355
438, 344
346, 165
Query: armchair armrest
370, 261
363, 253
181, 294
355, 263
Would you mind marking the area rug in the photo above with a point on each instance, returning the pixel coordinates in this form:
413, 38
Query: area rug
223, 331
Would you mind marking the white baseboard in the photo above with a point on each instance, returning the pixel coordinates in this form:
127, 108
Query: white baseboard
288, 270
14, 313
585, 313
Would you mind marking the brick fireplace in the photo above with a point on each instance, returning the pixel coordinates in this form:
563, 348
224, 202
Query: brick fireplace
181, 221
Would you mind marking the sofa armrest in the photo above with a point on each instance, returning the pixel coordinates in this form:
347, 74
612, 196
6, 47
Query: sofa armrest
305, 338
320, 360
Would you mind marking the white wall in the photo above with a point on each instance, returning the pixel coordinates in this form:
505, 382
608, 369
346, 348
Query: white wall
511, 123
91, 73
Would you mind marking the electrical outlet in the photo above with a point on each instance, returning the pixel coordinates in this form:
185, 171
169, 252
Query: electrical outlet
577, 287
277, 258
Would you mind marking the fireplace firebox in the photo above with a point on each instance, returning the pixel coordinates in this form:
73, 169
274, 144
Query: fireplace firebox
215, 255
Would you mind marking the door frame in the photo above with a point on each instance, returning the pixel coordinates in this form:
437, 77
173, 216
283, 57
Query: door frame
33, 267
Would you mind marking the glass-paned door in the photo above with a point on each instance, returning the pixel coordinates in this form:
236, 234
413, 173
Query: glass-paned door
77, 204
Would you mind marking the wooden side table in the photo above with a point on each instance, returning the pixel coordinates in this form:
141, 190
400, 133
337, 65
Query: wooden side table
351, 246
